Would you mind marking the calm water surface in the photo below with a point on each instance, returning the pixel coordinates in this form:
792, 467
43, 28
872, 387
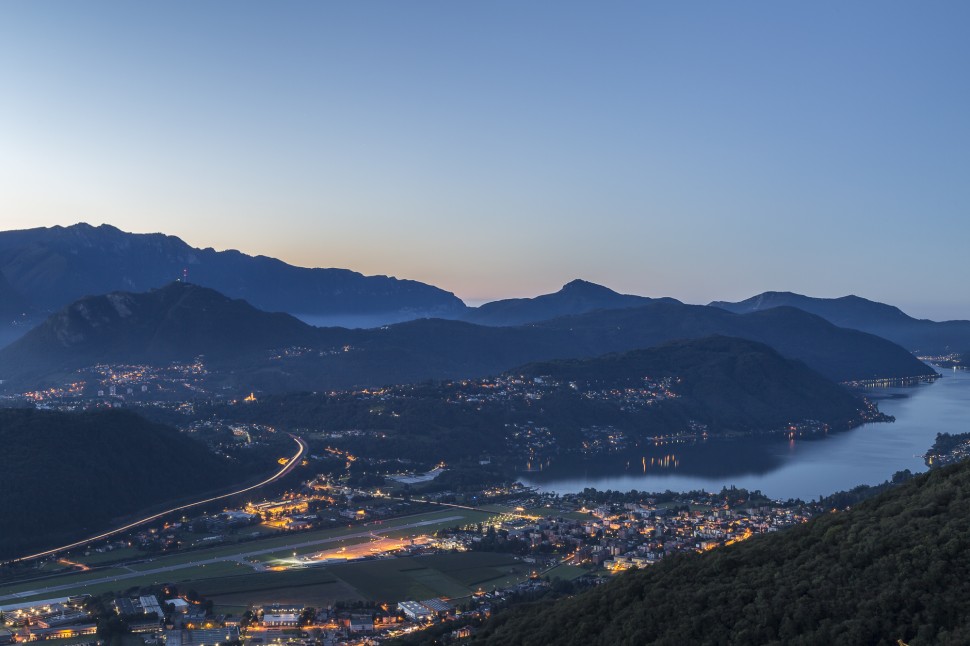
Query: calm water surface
783, 468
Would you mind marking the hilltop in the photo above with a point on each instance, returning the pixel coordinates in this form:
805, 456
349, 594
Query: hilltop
575, 297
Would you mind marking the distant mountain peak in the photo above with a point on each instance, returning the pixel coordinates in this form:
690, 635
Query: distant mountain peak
580, 286
856, 312
576, 297
54, 266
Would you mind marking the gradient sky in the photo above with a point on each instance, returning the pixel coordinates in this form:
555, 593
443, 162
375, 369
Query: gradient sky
698, 150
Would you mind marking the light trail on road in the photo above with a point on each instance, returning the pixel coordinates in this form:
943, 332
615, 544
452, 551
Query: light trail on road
294, 461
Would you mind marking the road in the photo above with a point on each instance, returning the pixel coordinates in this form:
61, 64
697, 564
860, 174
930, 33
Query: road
219, 559
292, 464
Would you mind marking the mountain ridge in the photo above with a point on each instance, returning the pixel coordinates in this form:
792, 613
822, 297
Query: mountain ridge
917, 335
575, 297
180, 321
58, 265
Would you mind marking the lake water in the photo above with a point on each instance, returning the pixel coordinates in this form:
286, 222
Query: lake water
780, 467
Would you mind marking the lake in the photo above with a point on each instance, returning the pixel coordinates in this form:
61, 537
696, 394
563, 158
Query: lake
781, 467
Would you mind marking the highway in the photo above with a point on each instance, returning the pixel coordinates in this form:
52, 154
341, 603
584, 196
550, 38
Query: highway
292, 464
219, 559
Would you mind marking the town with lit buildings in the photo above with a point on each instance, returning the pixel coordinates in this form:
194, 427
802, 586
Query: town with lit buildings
590, 537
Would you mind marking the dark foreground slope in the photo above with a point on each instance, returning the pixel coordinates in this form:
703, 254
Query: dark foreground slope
65, 474
897, 567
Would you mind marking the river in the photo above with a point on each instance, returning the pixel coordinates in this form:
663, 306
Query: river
781, 467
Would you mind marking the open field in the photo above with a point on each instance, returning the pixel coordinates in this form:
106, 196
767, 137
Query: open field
287, 543
113, 556
566, 572
320, 595
395, 579
72, 578
225, 609
446, 575
228, 559
181, 575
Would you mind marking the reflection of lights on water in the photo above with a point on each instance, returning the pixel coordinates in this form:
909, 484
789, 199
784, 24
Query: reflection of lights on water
669, 461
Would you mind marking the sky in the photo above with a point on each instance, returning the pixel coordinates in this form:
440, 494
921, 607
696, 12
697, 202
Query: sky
703, 150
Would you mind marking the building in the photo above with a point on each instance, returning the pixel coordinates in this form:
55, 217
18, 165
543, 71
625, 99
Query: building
440, 607
206, 637
281, 616
415, 611
181, 605
149, 604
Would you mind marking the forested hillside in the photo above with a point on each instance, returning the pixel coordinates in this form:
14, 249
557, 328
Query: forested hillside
65, 474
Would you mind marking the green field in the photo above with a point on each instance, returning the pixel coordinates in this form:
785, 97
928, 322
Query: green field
422, 577
262, 581
397, 579
78, 577
182, 575
566, 572
285, 541
235, 611
113, 556
280, 546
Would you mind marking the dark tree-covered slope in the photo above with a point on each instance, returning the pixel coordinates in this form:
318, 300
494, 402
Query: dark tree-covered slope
15, 312
13, 305
897, 567
66, 475
729, 385
724, 382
